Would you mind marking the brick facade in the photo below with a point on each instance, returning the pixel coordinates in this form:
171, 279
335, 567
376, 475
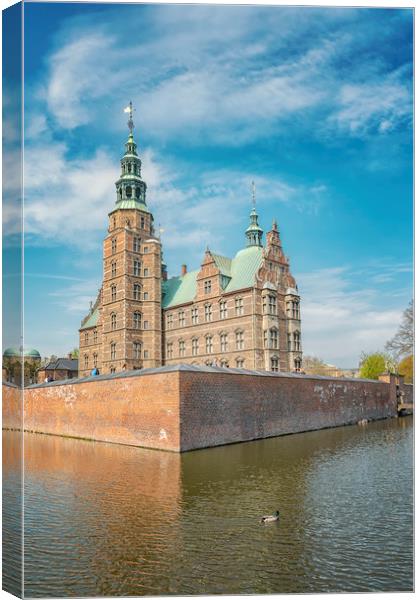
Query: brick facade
131, 326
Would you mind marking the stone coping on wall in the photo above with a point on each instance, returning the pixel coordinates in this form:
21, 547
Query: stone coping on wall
10, 384
192, 368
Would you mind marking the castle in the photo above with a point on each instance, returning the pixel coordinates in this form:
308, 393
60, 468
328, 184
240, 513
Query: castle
241, 312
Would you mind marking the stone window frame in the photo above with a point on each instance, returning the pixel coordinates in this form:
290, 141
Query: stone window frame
113, 292
272, 304
169, 350
145, 324
223, 341
145, 295
146, 354
137, 319
136, 267
181, 318
274, 364
142, 222
208, 313
239, 306
169, 320
209, 344
240, 362
296, 340
136, 243
146, 272
137, 291
298, 364
113, 269
113, 350
95, 336
194, 315
146, 249
114, 245
273, 338
195, 346
86, 338
223, 309
207, 286
239, 339
86, 359
181, 348
289, 341
224, 363
95, 359
113, 319
112, 369
137, 348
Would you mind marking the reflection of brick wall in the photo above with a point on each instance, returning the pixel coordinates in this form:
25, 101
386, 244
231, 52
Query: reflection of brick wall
183, 410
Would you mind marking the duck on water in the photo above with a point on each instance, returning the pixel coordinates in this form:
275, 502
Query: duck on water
270, 518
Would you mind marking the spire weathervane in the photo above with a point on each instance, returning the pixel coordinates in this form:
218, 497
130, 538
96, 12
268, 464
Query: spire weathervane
129, 109
253, 193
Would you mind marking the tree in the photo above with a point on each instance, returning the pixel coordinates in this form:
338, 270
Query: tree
374, 364
406, 368
314, 366
402, 343
75, 353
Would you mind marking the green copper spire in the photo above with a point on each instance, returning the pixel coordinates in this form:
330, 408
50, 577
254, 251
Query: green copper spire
254, 232
131, 189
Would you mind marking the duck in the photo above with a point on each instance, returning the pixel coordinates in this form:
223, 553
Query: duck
271, 518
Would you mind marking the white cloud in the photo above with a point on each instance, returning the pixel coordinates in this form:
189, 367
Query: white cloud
340, 319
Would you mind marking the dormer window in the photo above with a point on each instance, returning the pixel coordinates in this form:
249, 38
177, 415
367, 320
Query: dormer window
207, 286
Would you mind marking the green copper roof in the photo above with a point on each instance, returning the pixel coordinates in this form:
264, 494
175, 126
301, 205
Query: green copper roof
27, 352
179, 290
92, 320
244, 268
241, 272
130, 204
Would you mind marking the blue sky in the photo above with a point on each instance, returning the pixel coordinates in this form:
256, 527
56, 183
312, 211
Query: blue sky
313, 104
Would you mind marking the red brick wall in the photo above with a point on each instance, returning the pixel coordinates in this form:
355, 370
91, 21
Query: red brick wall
183, 410
218, 408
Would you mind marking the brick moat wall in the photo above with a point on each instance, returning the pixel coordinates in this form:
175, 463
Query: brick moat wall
183, 408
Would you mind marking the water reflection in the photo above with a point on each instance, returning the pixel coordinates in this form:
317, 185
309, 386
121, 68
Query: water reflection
113, 520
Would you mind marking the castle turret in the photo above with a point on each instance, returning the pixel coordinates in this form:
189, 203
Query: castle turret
254, 232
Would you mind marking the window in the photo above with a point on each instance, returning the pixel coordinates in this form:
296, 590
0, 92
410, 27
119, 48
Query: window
113, 350
298, 364
207, 312
146, 272
169, 320
128, 191
169, 350
136, 267
146, 325
95, 337
146, 249
274, 339
142, 222
113, 293
224, 363
295, 310
113, 269
207, 286
239, 340
239, 306
136, 291
146, 296
136, 244
240, 362
114, 221
129, 167
137, 320
181, 317
296, 341
194, 316
113, 321
194, 346
272, 305
137, 350
86, 361
95, 360
223, 342
209, 344
112, 370
86, 338
223, 309
146, 354
114, 245
138, 190
289, 341
181, 345
274, 363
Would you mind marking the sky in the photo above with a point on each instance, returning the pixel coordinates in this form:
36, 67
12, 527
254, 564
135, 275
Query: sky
313, 104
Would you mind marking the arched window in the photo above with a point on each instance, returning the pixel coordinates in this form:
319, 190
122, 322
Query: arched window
209, 344
128, 191
113, 293
137, 291
120, 191
137, 320
113, 321
129, 167
86, 361
113, 347
298, 364
194, 346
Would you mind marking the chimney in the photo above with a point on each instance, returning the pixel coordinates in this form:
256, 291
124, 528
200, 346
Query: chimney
69, 355
183, 270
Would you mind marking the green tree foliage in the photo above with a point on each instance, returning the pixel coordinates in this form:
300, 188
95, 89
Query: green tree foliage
402, 342
406, 368
75, 353
374, 364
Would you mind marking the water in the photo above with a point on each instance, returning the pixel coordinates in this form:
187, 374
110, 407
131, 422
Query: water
102, 519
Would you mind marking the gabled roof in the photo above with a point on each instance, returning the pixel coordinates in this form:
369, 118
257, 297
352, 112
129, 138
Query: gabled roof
67, 364
91, 320
240, 271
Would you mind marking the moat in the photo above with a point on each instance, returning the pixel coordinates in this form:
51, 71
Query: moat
103, 519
